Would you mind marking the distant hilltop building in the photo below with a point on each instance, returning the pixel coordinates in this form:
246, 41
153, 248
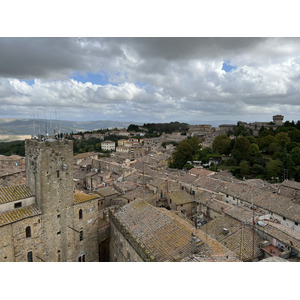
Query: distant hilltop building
278, 120
256, 126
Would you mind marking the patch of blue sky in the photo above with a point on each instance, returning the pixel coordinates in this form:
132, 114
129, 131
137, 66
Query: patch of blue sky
29, 82
227, 67
140, 84
100, 78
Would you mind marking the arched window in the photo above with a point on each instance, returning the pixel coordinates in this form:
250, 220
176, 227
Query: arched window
80, 213
29, 257
28, 232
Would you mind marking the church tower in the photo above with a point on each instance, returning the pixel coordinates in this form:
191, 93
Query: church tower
49, 174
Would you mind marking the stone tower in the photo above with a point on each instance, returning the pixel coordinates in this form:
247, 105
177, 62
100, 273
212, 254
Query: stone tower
49, 174
278, 120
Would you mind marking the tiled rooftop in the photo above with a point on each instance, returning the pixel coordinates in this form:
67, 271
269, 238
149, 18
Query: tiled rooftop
19, 214
13, 193
165, 235
106, 192
264, 199
85, 155
180, 197
291, 184
80, 197
282, 236
234, 238
201, 172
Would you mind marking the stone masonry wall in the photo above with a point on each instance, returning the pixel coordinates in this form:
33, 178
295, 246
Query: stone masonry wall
14, 246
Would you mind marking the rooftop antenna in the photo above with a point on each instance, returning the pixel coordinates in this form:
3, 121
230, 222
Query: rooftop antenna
34, 125
46, 129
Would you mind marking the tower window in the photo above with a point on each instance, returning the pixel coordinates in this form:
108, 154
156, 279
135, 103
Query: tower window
81, 258
18, 205
57, 173
28, 232
80, 213
29, 256
81, 235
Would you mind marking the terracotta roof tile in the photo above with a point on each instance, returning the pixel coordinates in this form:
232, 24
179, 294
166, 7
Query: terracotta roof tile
13, 193
19, 214
80, 197
165, 235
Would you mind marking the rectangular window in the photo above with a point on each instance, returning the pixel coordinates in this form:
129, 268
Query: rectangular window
57, 173
29, 257
81, 235
284, 218
18, 205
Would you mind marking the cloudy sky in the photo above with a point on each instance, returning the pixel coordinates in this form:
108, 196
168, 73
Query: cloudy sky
193, 80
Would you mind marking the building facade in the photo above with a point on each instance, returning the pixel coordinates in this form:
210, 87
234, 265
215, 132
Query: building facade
44, 220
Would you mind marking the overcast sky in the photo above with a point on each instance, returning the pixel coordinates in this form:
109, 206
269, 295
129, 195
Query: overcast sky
193, 80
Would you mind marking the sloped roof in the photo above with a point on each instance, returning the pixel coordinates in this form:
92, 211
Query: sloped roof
14, 193
291, 184
19, 214
85, 155
80, 197
234, 239
201, 172
166, 236
180, 197
107, 191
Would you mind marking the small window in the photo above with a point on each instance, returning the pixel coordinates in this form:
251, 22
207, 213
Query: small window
81, 235
80, 213
28, 232
58, 255
81, 258
57, 173
58, 216
29, 256
284, 218
58, 233
170, 200
296, 223
18, 205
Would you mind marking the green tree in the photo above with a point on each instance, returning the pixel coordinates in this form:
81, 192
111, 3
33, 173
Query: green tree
241, 148
295, 136
282, 139
274, 168
221, 144
295, 154
186, 150
264, 142
204, 154
244, 168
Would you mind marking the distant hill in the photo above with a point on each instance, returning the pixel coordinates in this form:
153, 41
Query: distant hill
20, 127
